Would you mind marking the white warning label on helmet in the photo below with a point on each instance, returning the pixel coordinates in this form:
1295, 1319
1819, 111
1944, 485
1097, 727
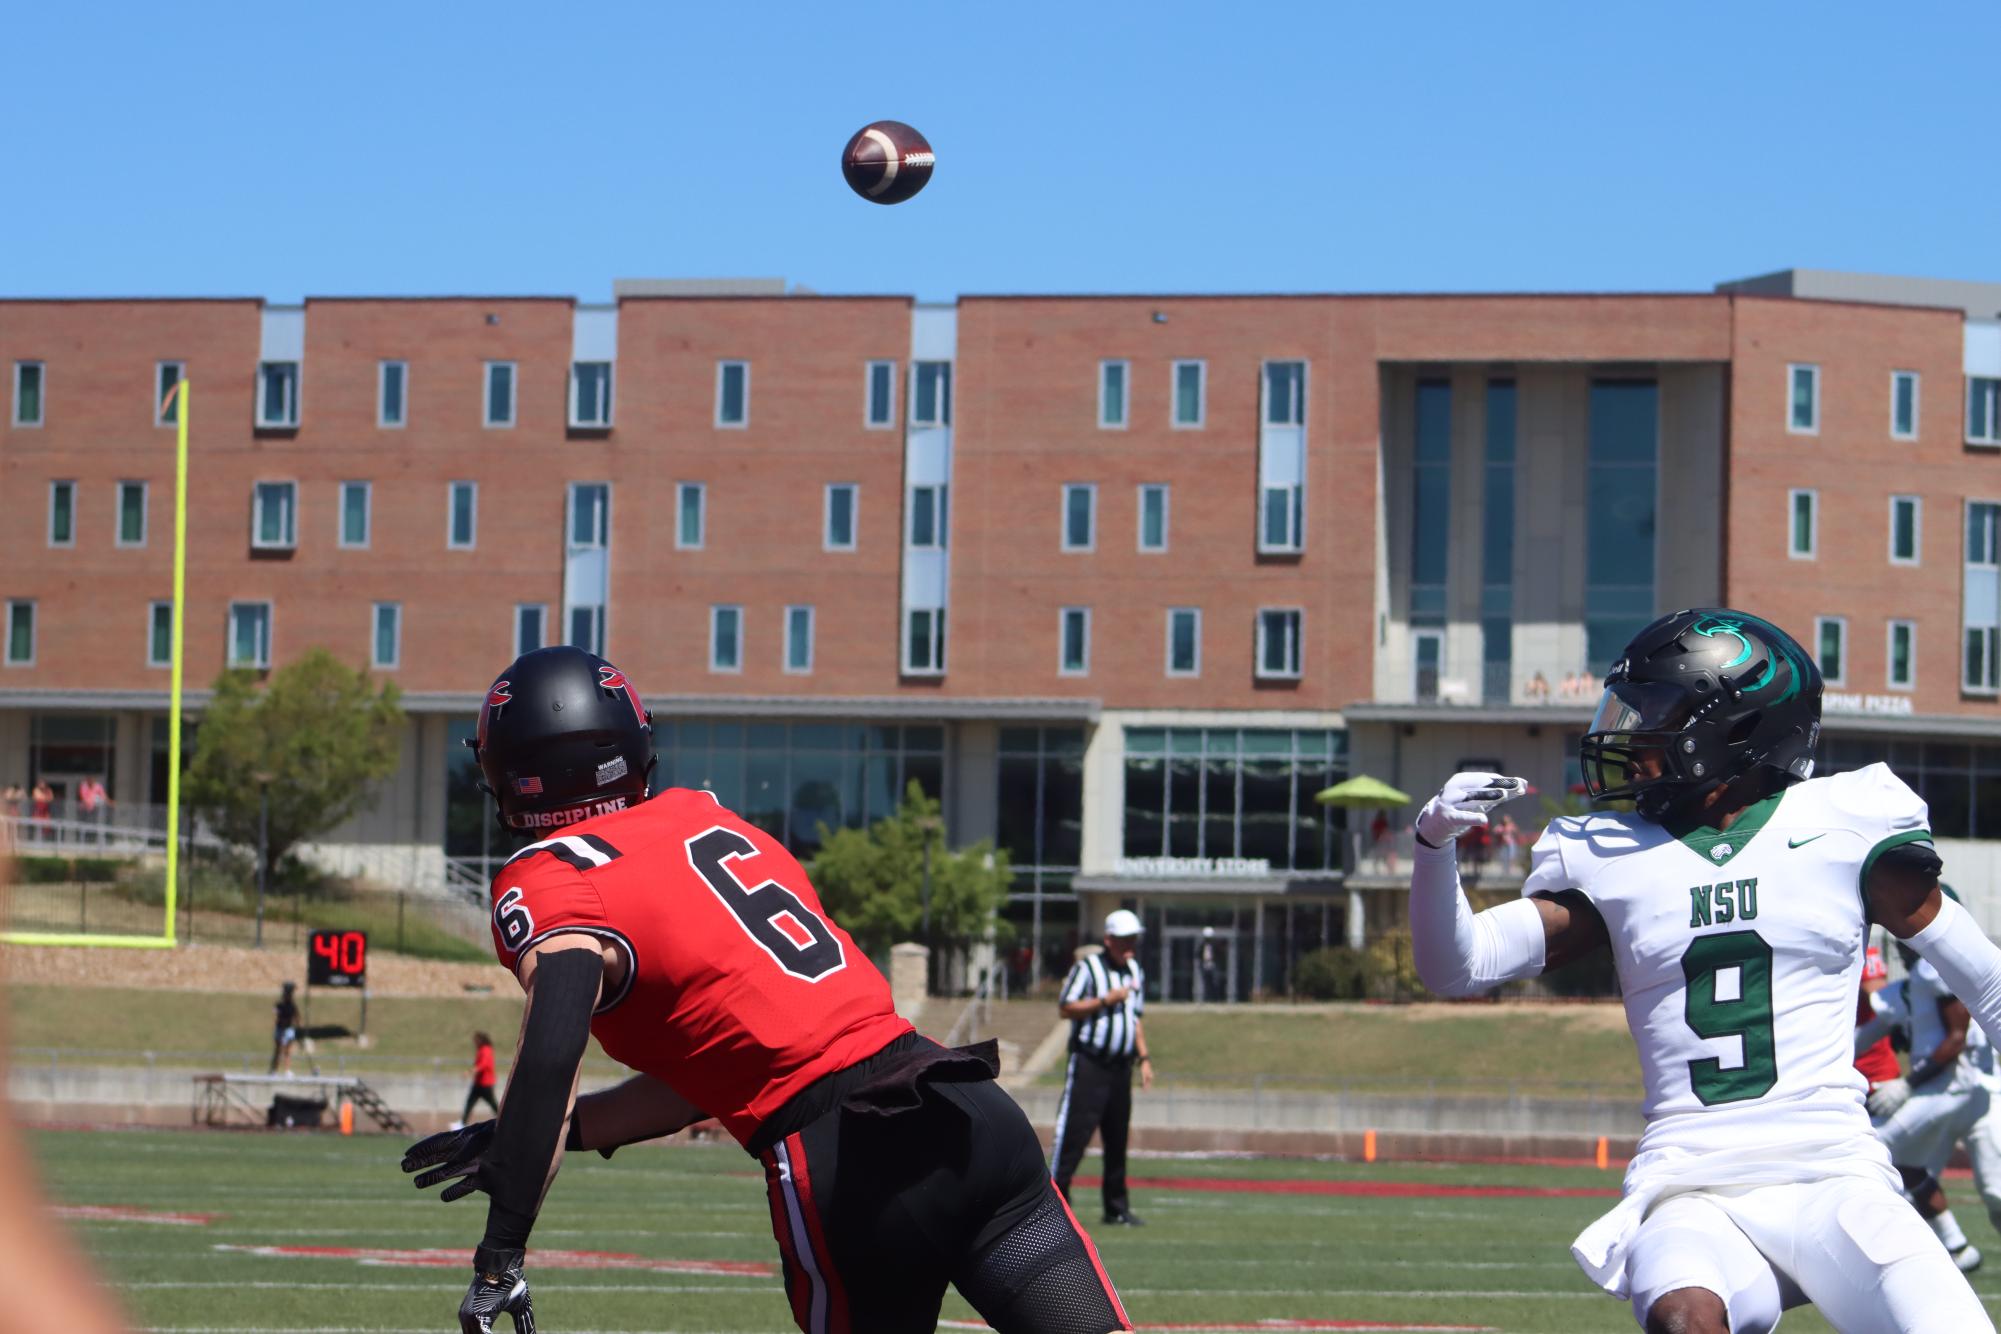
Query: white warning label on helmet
612, 770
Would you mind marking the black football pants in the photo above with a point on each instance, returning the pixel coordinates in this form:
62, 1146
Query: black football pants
1097, 1096
874, 1215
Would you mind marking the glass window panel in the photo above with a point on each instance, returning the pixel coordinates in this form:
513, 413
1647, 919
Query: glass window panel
28, 393
1802, 523
1076, 639
1182, 642
62, 513
690, 517
1987, 806
881, 398
880, 780
927, 771
1266, 741
499, 394
1904, 519
726, 651
1949, 794
1833, 635
1112, 393
821, 794
1146, 741
1219, 817
924, 516
1905, 413
1184, 808
392, 393
731, 406
1805, 409
1267, 815
933, 393
1077, 516
1020, 740
1184, 742
928, 738
1284, 393
799, 638
840, 516
1313, 848
1153, 518
1063, 809
354, 514
463, 499
1188, 394
131, 513
20, 632
1146, 799
160, 645
1014, 827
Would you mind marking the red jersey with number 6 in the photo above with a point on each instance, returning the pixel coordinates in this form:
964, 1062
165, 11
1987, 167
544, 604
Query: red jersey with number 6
740, 991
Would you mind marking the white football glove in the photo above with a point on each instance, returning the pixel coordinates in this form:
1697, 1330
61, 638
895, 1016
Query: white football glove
1463, 803
1887, 1097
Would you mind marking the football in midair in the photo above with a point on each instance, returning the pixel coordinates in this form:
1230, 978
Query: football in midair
886, 162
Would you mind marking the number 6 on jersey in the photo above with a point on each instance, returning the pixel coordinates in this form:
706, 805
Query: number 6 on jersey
766, 911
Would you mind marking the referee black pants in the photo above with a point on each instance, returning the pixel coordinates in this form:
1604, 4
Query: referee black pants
1097, 1096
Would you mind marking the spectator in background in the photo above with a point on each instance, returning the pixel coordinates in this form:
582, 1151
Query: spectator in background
1508, 835
43, 802
482, 1079
11, 799
1537, 689
1212, 974
1379, 839
95, 803
284, 1029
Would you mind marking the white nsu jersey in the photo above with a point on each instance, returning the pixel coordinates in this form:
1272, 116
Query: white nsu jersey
1739, 955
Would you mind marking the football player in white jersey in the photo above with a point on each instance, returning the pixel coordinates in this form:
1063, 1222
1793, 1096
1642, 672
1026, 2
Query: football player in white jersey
1735, 898
1920, 1115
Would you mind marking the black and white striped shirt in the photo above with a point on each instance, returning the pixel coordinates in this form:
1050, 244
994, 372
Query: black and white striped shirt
1110, 1033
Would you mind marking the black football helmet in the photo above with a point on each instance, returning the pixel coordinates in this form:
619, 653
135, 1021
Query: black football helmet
1698, 699
562, 737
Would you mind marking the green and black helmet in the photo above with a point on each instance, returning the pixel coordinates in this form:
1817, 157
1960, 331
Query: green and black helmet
1700, 698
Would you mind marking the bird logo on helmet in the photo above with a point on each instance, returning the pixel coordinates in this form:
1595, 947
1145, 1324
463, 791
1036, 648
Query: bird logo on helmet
562, 737
1699, 699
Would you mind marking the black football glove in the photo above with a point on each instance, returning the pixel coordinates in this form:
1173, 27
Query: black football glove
452, 1154
497, 1285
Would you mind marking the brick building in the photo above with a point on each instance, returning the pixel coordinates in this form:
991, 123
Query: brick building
1126, 580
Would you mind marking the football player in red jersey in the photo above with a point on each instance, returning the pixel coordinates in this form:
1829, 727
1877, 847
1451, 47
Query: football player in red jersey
691, 944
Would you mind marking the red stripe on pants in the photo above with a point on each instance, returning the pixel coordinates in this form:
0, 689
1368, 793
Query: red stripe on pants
1111, 1293
802, 1182
798, 1285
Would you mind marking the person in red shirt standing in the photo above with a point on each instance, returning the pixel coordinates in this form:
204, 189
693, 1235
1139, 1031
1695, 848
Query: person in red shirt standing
693, 947
482, 1079
1878, 1061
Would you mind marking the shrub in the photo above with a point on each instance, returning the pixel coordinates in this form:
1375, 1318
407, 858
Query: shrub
1334, 973
67, 870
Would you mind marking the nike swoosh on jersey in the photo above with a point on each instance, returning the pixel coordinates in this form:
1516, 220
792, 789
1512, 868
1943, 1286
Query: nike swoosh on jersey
1802, 842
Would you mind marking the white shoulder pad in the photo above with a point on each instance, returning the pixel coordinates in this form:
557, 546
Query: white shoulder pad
1876, 798
1547, 872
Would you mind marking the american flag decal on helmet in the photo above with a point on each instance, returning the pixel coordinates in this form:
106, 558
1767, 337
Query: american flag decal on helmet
528, 787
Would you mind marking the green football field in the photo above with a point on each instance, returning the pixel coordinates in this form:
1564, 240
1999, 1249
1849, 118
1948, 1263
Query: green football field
271, 1233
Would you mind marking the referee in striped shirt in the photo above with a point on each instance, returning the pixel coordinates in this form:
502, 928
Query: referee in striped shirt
1103, 998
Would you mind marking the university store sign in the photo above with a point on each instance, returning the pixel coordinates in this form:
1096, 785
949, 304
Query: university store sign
1194, 868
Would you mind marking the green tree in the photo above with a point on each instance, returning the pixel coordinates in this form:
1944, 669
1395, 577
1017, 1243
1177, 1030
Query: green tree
872, 880
317, 734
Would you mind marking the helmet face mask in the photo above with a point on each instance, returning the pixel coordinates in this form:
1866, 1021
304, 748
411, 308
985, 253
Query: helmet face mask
562, 737
1699, 699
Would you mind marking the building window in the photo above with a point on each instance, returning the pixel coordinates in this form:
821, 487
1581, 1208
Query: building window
462, 518
1621, 490
590, 395
62, 514
1184, 641
1830, 637
1902, 672
733, 393
531, 627
499, 402
1039, 816
354, 498
1285, 393
931, 393
392, 383
587, 627
167, 374
1906, 520
1904, 405
21, 633
1112, 377
1080, 514
29, 381
1283, 518
388, 637
1983, 410
1982, 598
250, 634
1153, 518
1221, 792
1431, 501
927, 517
689, 514
842, 498
1278, 642
798, 639
274, 523
590, 515
131, 514
924, 641
725, 639
1074, 657
278, 394
160, 634
1191, 405
1803, 401
1803, 539
880, 411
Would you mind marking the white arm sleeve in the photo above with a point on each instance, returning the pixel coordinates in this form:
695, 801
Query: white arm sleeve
1969, 962
1877, 1027
1460, 952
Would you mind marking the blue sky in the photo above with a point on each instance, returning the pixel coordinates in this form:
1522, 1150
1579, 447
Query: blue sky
285, 150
